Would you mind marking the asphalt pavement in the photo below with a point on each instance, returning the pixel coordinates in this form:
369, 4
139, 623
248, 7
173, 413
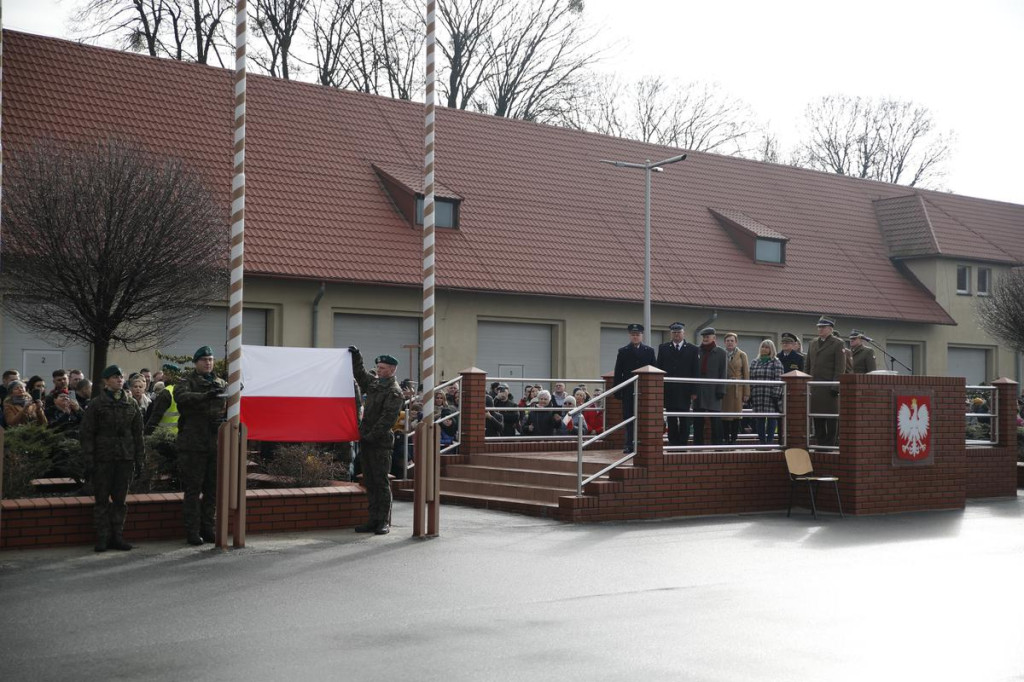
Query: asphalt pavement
924, 596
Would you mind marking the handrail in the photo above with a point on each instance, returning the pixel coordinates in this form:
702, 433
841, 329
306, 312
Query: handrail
706, 380
611, 391
818, 415
456, 380
580, 482
992, 417
457, 414
537, 380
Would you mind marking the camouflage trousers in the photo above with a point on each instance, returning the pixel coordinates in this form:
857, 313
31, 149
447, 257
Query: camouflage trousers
110, 482
376, 464
198, 471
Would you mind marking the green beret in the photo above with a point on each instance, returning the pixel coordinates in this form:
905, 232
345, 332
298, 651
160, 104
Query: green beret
111, 371
204, 352
171, 367
386, 359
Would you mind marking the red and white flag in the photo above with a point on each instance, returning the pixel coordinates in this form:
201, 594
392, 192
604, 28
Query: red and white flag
298, 394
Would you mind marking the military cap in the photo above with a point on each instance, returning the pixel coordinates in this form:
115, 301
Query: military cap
707, 331
825, 322
171, 367
677, 326
111, 371
635, 328
204, 352
788, 336
857, 334
386, 359
503, 387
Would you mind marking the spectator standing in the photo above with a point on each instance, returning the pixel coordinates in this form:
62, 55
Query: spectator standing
632, 356
381, 406
825, 361
713, 362
60, 383
138, 390
766, 367
738, 367
65, 415
83, 392
199, 395
542, 422
680, 360
36, 387
494, 422
571, 426
511, 419
20, 408
790, 356
112, 448
74, 376
9, 376
558, 394
449, 426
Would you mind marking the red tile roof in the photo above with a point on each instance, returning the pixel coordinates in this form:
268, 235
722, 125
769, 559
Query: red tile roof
537, 206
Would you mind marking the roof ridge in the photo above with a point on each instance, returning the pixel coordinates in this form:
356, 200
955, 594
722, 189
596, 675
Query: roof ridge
928, 222
965, 226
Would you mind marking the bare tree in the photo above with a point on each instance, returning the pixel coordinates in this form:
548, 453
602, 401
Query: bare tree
594, 104
135, 24
1002, 313
468, 28
277, 22
332, 25
109, 245
887, 140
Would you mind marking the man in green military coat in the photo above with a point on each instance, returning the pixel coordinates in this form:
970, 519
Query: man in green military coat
112, 446
825, 362
863, 356
376, 439
201, 410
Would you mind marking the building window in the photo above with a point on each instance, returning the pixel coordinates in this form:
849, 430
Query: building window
445, 212
770, 251
984, 281
904, 358
963, 279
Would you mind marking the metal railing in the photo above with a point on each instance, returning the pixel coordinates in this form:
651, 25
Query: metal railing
580, 443
529, 408
784, 433
820, 415
988, 419
456, 415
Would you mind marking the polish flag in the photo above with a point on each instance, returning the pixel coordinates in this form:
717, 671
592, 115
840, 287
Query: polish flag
298, 394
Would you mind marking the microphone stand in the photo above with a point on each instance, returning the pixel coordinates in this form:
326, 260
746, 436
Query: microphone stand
892, 360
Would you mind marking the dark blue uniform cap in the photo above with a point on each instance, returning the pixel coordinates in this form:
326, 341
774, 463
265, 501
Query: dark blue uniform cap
677, 326
635, 328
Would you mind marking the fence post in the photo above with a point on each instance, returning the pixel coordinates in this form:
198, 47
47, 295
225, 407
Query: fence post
650, 417
796, 409
1007, 406
472, 410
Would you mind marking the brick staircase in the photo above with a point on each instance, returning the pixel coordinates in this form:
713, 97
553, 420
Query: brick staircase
526, 483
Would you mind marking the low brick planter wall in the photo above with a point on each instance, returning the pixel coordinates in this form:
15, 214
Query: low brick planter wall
55, 521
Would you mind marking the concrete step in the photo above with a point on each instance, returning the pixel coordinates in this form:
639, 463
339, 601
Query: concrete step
508, 504
556, 461
526, 477
476, 488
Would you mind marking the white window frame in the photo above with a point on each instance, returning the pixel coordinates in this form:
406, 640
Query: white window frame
987, 290
967, 279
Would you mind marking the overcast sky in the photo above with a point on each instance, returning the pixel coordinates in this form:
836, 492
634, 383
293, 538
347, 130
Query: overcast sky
962, 60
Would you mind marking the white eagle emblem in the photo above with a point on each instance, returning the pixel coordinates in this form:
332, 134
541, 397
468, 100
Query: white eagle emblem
912, 424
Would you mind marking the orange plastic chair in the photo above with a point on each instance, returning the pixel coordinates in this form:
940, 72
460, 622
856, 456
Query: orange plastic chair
798, 461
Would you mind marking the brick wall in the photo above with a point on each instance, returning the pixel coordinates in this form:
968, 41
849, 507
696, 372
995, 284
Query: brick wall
53, 521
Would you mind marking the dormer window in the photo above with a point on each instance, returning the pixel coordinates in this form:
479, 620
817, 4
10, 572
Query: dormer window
446, 212
770, 251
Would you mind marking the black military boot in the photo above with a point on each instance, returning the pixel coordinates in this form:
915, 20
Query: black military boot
209, 534
368, 527
101, 543
193, 538
382, 529
117, 542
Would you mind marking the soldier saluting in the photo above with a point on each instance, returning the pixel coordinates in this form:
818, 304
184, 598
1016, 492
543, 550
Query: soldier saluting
376, 439
201, 409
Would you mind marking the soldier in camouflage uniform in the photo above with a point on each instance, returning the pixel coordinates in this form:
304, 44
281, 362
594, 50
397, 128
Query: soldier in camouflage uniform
376, 439
112, 445
201, 409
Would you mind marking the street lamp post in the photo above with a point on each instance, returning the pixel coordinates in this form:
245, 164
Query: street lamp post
648, 167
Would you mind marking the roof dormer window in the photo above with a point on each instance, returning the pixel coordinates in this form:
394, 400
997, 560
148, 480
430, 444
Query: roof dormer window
759, 241
770, 251
446, 212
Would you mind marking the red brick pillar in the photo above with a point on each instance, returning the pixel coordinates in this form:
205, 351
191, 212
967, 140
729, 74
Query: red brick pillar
796, 410
1007, 390
473, 410
612, 416
650, 423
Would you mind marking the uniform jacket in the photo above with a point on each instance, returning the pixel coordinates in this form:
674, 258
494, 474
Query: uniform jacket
737, 367
765, 398
199, 415
380, 408
631, 357
791, 361
863, 360
683, 363
709, 396
825, 362
112, 429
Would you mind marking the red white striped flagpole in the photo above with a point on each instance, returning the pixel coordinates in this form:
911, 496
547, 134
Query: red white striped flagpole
1, 134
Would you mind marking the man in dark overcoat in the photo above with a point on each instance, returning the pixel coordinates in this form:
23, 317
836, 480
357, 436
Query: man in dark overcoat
713, 362
633, 355
825, 361
789, 356
679, 359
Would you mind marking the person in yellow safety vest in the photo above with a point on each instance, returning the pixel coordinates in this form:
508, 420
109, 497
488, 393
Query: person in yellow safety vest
164, 411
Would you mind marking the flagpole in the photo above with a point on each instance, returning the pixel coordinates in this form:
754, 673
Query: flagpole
427, 344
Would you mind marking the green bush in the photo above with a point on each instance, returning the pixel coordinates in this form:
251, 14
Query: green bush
160, 471
308, 466
32, 452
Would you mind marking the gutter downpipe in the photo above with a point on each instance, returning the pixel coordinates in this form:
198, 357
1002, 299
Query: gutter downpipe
316, 311
702, 325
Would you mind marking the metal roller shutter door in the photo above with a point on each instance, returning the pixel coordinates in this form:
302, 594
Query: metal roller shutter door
512, 349
377, 335
970, 363
211, 329
30, 354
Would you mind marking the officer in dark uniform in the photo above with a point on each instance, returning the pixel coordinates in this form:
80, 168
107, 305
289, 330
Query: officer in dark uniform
789, 356
112, 446
376, 439
634, 355
679, 359
863, 356
201, 410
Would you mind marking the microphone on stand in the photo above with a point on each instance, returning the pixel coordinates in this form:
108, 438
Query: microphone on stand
892, 360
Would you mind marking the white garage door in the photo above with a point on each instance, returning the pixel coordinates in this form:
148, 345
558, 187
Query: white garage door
970, 363
511, 349
31, 354
379, 335
211, 329
614, 338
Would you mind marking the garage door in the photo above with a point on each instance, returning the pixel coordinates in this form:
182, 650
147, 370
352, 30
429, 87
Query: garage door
379, 335
31, 354
211, 329
904, 354
970, 363
511, 349
614, 338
